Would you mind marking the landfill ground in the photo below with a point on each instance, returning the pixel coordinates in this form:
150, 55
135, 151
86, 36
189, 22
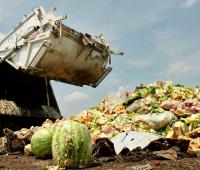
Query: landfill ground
23, 162
171, 115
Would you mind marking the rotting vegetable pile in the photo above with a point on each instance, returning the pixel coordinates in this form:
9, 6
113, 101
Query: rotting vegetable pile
164, 108
169, 110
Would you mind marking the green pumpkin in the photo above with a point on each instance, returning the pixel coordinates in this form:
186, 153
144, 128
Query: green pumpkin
71, 145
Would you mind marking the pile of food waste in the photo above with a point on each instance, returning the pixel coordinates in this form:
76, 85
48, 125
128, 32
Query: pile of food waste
164, 108
167, 114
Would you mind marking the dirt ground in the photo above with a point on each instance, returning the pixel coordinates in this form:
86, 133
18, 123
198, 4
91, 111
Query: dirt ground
23, 162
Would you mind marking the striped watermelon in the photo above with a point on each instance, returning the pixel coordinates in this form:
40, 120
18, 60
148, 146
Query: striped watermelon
71, 145
41, 143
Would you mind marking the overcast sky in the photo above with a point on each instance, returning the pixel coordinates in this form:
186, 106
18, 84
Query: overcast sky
160, 38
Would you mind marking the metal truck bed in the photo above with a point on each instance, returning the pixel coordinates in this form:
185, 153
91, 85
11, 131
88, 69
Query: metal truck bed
42, 45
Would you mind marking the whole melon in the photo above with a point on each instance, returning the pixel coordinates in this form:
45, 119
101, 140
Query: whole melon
71, 145
41, 143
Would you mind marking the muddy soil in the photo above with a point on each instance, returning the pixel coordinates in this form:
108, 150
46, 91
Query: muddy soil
23, 162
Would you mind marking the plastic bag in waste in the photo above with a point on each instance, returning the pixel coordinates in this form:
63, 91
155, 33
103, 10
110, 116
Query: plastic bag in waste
113, 101
135, 106
157, 120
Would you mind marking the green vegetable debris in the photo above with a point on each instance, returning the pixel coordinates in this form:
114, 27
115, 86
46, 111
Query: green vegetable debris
157, 108
164, 108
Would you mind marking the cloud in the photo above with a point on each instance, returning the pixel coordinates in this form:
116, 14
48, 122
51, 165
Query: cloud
140, 63
8, 12
75, 96
167, 42
141, 17
175, 43
183, 67
116, 81
113, 79
190, 3
178, 54
4, 14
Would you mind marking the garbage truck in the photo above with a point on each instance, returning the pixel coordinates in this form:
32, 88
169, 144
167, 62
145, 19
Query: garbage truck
41, 48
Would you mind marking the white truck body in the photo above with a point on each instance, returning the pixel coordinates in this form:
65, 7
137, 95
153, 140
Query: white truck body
41, 45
